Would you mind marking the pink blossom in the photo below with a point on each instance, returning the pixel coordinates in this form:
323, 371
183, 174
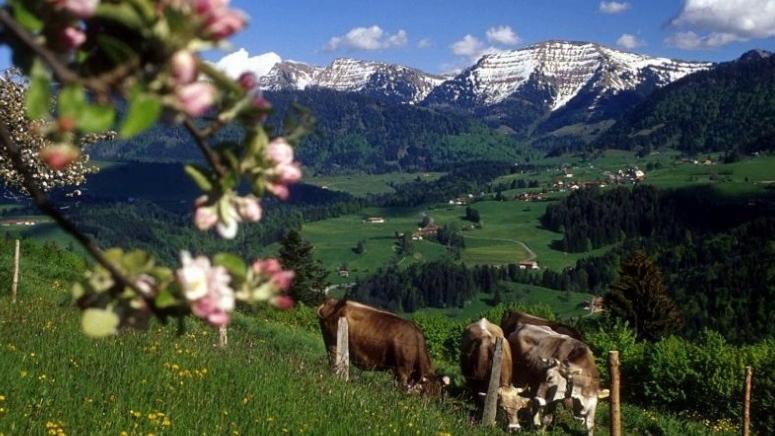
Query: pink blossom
205, 217
248, 80
282, 302
279, 151
203, 7
279, 190
249, 209
59, 156
194, 99
77, 8
72, 37
222, 23
206, 287
288, 173
283, 279
267, 266
262, 104
183, 65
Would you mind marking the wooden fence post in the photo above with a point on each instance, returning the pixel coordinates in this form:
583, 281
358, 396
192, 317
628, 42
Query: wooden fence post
15, 285
342, 362
223, 337
747, 402
491, 400
616, 417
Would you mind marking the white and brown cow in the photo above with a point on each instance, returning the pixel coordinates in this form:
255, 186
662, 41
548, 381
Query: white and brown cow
556, 368
382, 341
476, 355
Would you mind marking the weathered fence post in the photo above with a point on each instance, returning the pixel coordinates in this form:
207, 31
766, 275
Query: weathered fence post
15, 285
491, 400
223, 337
342, 362
616, 417
747, 402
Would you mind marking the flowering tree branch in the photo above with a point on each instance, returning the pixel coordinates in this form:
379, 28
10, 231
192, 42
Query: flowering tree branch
144, 52
45, 205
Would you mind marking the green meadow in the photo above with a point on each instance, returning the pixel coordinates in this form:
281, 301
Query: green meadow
272, 378
361, 185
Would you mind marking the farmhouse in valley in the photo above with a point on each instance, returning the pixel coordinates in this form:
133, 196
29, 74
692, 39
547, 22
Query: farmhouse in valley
375, 220
528, 264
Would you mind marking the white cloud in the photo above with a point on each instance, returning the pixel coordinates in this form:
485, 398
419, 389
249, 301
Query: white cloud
240, 61
424, 43
630, 41
613, 7
366, 38
470, 46
502, 35
722, 22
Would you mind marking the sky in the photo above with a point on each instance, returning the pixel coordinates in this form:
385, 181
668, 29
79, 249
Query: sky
441, 36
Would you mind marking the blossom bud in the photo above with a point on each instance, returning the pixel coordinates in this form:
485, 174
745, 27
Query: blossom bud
248, 80
249, 209
288, 173
278, 190
72, 38
279, 151
205, 217
194, 99
78, 8
183, 65
59, 156
222, 23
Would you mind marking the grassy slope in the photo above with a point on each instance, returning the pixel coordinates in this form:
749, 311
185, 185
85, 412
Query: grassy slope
272, 378
362, 185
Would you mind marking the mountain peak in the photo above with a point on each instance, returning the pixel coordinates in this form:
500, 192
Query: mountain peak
755, 54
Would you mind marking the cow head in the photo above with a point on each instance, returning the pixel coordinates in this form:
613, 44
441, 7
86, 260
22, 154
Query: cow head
434, 385
511, 403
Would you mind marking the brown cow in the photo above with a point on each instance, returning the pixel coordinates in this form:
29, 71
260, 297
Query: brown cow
381, 341
476, 365
557, 368
513, 318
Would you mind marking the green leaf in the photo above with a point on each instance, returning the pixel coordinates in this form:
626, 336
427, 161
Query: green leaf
199, 177
122, 13
137, 261
234, 264
99, 323
25, 17
165, 299
72, 100
144, 110
96, 118
39, 93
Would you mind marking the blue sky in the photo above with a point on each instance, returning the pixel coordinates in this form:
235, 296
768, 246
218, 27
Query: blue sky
691, 29
443, 35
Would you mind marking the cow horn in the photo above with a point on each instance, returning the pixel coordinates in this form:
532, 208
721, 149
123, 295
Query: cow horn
604, 393
520, 390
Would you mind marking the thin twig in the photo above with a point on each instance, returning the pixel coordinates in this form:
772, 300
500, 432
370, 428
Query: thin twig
43, 203
201, 140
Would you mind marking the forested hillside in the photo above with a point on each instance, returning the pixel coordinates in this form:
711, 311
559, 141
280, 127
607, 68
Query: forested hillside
728, 108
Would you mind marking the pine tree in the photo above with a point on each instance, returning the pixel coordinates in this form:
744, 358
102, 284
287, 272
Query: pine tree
310, 281
640, 297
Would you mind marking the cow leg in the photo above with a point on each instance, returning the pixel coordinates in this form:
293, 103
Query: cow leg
548, 419
535, 409
589, 418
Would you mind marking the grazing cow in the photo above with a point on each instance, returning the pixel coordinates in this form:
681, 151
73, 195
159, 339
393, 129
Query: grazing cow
513, 318
381, 341
557, 368
476, 365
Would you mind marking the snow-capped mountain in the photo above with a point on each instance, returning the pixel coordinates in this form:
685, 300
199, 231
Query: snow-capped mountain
544, 86
562, 70
394, 83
